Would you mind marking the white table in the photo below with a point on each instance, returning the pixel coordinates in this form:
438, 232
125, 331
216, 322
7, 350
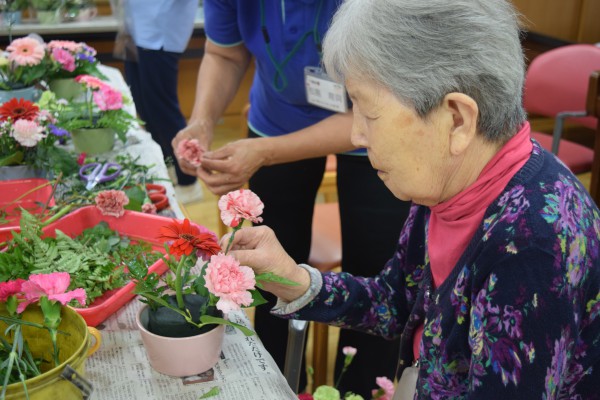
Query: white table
120, 368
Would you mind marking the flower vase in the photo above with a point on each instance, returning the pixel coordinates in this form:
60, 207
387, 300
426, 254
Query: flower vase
65, 88
11, 18
186, 350
93, 141
74, 347
49, 17
28, 93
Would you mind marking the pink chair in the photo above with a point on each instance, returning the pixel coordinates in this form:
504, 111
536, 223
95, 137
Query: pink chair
556, 85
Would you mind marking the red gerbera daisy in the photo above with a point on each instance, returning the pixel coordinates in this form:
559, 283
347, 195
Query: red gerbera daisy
186, 237
16, 109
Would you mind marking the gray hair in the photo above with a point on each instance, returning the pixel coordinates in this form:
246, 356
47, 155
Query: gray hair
422, 50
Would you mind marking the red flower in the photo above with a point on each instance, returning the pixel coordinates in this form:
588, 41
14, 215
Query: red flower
305, 396
10, 288
16, 109
81, 158
186, 237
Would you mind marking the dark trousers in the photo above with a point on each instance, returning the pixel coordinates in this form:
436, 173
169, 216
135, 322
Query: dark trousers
153, 83
371, 219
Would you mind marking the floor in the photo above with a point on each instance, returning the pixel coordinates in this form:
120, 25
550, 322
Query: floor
205, 212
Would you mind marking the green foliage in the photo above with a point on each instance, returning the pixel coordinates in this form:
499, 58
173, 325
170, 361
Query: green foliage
13, 5
46, 5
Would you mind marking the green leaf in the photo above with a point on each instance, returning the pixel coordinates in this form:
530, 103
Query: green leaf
271, 277
212, 392
136, 198
208, 319
257, 298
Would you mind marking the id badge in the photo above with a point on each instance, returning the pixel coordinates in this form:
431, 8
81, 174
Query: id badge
323, 92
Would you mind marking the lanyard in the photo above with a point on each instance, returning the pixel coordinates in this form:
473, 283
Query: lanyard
280, 81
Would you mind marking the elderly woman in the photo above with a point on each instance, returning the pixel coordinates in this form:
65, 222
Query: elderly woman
495, 284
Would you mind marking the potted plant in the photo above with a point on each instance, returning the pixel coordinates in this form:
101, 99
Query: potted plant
93, 122
48, 11
22, 65
182, 324
66, 60
28, 142
12, 11
39, 337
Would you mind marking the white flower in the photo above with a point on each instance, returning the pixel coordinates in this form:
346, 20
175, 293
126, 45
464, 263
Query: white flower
27, 133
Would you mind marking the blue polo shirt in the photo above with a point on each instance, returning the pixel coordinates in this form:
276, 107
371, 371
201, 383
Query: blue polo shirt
233, 22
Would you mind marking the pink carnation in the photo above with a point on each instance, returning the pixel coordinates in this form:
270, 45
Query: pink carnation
349, 351
25, 51
230, 281
90, 81
27, 133
386, 386
53, 286
112, 202
190, 150
10, 288
239, 205
64, 58
148, 208
69, 45
108, 98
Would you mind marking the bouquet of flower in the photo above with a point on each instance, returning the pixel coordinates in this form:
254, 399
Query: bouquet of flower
102, 108
28, 136
49, 290
22, 64
385, 391
68, 59
218, 277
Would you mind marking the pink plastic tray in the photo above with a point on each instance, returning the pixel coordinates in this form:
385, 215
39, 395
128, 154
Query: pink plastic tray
133, 224
12, 189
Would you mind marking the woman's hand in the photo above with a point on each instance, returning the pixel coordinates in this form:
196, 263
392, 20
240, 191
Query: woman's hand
230, 167
195, 130
258, 248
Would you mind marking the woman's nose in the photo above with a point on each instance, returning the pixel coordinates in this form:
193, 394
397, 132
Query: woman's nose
357, 136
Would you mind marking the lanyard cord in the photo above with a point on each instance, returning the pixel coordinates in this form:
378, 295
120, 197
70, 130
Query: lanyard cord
280, 81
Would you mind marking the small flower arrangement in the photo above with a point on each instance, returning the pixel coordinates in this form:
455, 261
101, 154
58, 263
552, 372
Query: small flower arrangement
217, 276
22, 64
385, 391
50, 292
28, 136
46, 5
102, 108
69, 59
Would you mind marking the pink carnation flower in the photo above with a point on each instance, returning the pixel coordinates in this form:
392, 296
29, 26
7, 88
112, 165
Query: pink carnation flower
108, 98
112, 202
238, 205
148, 208
69, 45
90, 81
64, 58
190, 150
27, 133
25, 51
230, 281
10, 288
53, 286
386, 386
349, 351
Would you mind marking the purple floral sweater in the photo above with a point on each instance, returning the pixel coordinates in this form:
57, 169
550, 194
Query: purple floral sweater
517, 318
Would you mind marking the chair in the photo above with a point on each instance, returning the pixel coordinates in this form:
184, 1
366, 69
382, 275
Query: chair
555, 86
593, 108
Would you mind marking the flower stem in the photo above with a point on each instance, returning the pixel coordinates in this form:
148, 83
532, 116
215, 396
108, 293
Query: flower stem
179, 284
54, 346
59, 214
237, 228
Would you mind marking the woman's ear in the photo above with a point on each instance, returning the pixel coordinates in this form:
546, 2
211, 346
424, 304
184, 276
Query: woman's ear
463, 111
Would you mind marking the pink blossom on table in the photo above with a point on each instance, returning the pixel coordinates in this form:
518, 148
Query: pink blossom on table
349, 351
90, 81
81, 158
46, 116
386, 389
69, 45
190, 150
112, 202
54, 286
230, 281
149, 208
10, 288
27, 133
238, 205
64, 58
25, 51
108, 98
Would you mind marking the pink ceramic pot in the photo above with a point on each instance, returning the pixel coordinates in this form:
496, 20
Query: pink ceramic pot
181, 356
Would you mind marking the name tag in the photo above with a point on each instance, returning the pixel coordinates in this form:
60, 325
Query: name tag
323, 92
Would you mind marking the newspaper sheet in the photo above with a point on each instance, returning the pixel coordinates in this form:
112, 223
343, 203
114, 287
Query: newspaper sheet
120, 370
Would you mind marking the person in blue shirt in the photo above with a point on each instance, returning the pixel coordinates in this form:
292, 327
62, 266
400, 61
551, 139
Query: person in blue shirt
161, 30
283, 158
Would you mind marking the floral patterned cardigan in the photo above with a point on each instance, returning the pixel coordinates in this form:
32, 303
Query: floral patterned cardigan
517, 318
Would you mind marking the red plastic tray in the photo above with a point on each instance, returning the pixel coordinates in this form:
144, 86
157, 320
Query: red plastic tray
12, 189
133, 224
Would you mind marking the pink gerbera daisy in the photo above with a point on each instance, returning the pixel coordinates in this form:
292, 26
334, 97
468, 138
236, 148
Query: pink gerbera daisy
25, 51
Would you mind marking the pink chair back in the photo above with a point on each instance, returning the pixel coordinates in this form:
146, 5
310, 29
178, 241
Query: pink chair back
557, 81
